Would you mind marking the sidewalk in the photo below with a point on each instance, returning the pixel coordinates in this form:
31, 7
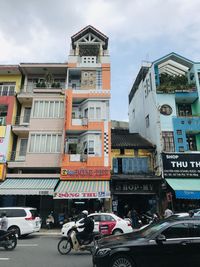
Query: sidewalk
43, 231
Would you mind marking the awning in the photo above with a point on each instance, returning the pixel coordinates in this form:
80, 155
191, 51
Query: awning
185, 188
28, 186
82, 189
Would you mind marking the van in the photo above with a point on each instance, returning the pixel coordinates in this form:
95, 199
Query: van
24, 220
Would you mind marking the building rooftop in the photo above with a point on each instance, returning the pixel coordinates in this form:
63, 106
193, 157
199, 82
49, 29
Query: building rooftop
121, 138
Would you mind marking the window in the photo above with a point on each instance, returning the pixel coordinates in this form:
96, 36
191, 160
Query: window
181, 149
92, 113
91, 147
7, 89
3, 114
168, 141
147, 121
48, 109
195, 230
191, 141
27, 114
45, 143
98, 113
179, 132
23, 147
180, 140
135, 165
180, 230
184, 110
86, 113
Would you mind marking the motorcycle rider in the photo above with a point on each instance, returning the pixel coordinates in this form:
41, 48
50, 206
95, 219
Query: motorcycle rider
88, 225
3, 223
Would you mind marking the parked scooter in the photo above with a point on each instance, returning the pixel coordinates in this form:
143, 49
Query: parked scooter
8, 240
66, 244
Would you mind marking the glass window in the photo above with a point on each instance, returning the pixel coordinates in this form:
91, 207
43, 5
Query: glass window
45, 143
91, 147
196, 230
168, 141
27, 114
91, 113
180, 230
191, 141
184, 110
147, 121
98, 113
23, 147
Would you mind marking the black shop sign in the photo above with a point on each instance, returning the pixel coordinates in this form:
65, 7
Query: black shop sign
133, 187
183, 165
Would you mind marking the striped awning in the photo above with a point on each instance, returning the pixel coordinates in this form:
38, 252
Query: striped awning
28, 186
82, 189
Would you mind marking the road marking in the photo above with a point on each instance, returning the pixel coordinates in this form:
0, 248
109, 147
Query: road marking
27, 245
4, 259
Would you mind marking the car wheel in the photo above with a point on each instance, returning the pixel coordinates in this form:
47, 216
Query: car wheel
16, 229
121, 261
117, 232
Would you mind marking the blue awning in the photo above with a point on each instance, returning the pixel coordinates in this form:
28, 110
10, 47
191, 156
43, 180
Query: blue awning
185, 188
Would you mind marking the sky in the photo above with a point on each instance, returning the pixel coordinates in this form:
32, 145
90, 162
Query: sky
138, 31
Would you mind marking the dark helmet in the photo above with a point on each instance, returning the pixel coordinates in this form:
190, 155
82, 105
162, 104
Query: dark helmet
3, 214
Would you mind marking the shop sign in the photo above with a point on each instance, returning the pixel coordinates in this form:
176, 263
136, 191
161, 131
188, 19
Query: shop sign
184, 165
95, 172
129, 187
80, 195
4, 144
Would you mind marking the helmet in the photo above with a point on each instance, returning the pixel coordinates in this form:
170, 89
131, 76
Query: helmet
85, 212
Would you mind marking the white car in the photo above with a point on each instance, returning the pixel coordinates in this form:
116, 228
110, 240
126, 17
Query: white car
105, 223
24, 220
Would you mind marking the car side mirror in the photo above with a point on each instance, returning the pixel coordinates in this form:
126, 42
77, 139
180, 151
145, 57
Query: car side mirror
160, 238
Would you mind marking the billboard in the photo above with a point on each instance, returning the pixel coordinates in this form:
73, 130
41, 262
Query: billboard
183, 165
4, 142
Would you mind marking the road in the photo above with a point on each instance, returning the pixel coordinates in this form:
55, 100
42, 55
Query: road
41, 251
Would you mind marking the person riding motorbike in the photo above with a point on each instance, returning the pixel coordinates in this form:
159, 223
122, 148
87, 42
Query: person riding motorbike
3, 224
88, 225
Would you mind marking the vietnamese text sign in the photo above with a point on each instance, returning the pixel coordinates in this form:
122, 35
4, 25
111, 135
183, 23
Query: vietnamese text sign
181, 165
89, 172
79, 195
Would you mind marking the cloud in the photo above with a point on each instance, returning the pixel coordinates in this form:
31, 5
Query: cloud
40, 31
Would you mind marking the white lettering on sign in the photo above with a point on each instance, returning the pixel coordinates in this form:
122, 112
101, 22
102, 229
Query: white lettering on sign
185, 164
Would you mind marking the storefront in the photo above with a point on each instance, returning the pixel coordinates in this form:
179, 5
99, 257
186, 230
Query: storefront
30, 192
74, 196
141, 194
182, 174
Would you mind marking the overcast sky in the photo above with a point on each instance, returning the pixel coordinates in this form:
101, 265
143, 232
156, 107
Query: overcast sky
138, 30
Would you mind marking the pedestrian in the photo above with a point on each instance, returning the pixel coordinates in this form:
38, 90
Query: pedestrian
134, 218
3, 223
168, 212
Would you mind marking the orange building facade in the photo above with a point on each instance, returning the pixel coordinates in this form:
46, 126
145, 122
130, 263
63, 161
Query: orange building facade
85, 164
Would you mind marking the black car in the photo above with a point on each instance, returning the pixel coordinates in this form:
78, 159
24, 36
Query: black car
171, 242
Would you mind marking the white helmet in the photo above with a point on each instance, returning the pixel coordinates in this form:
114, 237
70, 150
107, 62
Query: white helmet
85, 212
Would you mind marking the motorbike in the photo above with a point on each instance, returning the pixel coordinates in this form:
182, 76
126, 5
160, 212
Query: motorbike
67, 243
8, 240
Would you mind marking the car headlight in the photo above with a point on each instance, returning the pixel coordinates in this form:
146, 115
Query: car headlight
65, 226
103, 251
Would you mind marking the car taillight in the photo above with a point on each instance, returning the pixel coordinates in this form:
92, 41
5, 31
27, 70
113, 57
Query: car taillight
30, 218
129, 224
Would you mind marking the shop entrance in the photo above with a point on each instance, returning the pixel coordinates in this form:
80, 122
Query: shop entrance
141, 203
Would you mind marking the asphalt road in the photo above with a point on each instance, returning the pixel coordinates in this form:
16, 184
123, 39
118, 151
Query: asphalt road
41, 251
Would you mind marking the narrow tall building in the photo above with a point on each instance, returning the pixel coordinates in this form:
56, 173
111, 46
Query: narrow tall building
85, 167
164, 107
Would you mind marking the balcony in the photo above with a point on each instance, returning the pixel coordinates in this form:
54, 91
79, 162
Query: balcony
21, 125
188, 124
79, 121
23, 159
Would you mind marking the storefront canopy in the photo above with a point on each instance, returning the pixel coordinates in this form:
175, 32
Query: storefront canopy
185, 188
82, 189
28, 186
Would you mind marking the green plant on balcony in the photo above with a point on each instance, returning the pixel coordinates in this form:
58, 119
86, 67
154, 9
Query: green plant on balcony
172, 83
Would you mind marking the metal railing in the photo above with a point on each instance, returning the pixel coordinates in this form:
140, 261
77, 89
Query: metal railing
18, 155
22, 120
31, 87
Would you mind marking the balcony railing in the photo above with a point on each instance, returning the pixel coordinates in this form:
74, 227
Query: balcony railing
18, 155
31, 87
22, 120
